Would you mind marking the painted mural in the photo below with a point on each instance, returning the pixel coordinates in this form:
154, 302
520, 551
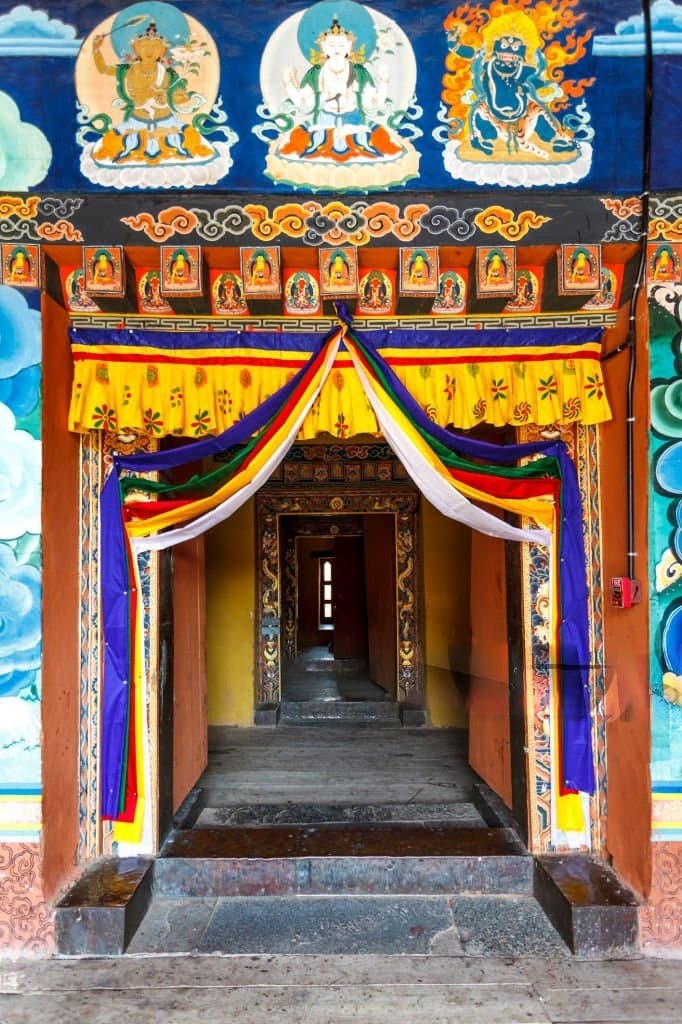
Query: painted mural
339, 95
666, 560
514, 117
147, 83
20, 566
336, 97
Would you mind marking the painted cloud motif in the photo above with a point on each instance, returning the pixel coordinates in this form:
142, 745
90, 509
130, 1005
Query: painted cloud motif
629, 36
19, 725
21, 393
25, 153
19, 479
20, 632
19, 333
25, 32
19, 352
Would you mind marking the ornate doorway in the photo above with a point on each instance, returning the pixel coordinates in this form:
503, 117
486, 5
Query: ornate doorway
358, 480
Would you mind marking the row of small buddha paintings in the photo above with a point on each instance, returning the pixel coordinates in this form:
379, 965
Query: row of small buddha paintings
339, 274
377, 292
180, 272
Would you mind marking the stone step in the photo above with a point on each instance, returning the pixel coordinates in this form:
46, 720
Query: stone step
340, 859
332, 665
391, 888
316, 712
462, 815
345, 925
588, 904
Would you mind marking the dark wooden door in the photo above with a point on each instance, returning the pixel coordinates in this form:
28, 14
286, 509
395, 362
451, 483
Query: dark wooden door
350, 611
379, 531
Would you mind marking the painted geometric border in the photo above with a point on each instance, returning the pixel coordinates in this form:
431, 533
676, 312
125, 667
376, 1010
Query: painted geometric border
582, 445
587, 464
96, 450
89, 841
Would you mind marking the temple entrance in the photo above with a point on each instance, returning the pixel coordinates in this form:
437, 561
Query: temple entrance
370, 605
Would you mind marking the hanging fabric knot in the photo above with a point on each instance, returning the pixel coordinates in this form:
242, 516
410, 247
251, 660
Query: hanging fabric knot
343, 314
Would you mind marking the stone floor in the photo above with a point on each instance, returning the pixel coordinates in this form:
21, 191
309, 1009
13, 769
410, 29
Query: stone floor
338, 764
316, 675
336, 990
464, 925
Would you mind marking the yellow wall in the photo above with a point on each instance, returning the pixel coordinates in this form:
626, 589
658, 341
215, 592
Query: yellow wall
230, 612
445, 547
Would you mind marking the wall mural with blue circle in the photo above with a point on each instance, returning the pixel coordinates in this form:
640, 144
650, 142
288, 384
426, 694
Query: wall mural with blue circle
336, 96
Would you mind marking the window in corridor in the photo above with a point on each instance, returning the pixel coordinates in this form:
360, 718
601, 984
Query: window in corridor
326, 598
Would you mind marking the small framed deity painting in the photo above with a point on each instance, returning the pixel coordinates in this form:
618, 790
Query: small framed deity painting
149, 296
663, 262
104, 270
76, 299
526, 298
451, 299
181, 270
579, 269
339, 272
227, 293
495, 271
376, 292
608, 296
261, 271
419, 271
21, 265
301, 293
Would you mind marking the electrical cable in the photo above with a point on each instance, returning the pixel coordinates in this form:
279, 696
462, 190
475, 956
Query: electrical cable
629, 344
639, 284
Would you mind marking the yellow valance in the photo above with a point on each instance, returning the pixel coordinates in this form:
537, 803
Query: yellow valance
160, 384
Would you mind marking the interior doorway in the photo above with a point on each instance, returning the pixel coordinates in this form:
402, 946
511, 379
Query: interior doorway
339, 601
369, 540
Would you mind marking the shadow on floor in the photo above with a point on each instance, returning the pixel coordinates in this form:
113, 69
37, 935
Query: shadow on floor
316, 675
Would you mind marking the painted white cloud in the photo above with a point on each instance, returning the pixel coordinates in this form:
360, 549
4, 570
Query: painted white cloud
19, 724
629, 38
19, 333
20, 462
25, 153
25, 32
20, 636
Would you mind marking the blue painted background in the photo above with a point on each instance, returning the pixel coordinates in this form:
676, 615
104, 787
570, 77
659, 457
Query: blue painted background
665, 518
43, 88
20, 555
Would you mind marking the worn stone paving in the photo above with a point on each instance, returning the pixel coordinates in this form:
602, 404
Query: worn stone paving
476, 926
463, 814
339, 989
336, 764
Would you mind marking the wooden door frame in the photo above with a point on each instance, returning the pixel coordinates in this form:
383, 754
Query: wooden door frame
402, 503
318, 527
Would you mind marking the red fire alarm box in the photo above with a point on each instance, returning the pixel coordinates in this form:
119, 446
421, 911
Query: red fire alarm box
624, 592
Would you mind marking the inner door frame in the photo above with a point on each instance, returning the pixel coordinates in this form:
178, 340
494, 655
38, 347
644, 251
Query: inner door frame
270, 505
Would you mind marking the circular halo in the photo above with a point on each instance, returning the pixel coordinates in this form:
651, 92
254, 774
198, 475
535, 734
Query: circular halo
351, 16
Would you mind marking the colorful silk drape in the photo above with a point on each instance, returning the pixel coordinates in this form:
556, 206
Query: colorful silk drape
195, 384
453, 472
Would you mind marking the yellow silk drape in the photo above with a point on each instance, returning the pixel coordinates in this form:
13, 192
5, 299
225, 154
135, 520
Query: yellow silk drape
191, 395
